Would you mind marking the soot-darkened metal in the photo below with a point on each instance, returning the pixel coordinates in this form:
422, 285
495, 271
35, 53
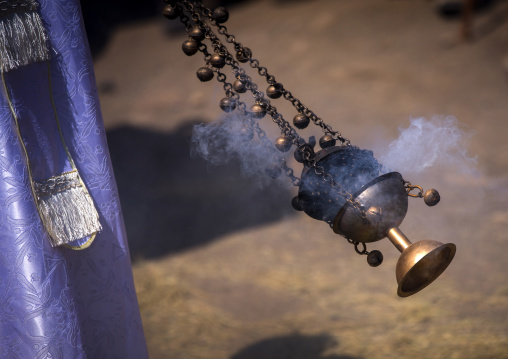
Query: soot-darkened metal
382, 203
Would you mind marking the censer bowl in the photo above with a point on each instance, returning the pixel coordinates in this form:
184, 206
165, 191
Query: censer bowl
382, 197
385, 202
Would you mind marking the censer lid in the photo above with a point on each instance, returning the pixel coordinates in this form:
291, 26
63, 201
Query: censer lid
349, 166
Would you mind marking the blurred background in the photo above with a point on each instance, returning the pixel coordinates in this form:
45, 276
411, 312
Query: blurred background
224, 267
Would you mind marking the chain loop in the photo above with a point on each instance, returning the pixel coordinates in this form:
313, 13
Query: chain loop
409, 188
363, 251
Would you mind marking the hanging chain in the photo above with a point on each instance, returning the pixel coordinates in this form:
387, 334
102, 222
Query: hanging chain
270, 79
286, 129
202, 18
198, 14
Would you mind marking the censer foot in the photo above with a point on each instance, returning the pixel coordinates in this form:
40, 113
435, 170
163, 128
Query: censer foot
420, 263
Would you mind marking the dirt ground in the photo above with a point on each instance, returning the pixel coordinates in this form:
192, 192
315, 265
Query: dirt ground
225, 268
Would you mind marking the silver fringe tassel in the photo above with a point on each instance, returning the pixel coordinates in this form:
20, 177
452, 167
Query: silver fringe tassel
22, 36
66, 208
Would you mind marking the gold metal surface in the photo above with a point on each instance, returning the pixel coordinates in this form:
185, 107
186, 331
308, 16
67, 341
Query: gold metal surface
420, 264
411, 188
398, 239
387, 202
85, 245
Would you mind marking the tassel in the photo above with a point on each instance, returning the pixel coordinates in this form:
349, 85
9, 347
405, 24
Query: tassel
22, 36
66, 208
64, 204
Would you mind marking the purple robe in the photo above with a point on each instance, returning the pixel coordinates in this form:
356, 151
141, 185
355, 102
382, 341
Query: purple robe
58, 302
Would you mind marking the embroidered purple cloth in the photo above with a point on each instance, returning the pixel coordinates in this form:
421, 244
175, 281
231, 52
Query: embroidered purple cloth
57, 302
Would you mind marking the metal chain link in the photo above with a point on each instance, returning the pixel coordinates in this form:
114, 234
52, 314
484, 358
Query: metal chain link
270, 79
254, 126
362, 251
409, 188
286, 129
284, 125
194, 7
183, 18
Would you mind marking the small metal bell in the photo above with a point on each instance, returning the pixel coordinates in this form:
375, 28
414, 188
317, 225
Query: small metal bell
220, 14
431, 197
283, 144
170, 12
375, 258
190, 47
239, 86
246, 133
301, 121
257, 111
197, 34
306, 147
244, 55
326, 141
273, 91
204, 74
227, 104
218, 61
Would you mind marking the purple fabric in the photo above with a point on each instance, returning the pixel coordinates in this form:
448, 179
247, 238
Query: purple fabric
56, 302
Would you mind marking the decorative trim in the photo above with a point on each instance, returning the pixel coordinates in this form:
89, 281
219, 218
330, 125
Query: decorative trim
23, 38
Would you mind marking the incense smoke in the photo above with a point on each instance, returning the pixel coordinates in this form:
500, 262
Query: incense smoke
222, 141
440, 142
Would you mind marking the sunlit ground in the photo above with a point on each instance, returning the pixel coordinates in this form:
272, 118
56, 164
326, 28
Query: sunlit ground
224, 268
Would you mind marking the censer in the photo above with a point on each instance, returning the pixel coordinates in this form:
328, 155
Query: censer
340, 184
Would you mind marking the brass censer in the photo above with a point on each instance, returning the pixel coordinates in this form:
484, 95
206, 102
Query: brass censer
340, 184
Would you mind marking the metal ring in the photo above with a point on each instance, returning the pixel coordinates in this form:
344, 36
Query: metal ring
418, 195
364, 251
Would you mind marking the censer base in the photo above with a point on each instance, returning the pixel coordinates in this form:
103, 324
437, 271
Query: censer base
420, 264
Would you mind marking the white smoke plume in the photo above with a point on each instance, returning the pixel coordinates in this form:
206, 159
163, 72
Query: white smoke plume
425, 146
221, 142
439, 143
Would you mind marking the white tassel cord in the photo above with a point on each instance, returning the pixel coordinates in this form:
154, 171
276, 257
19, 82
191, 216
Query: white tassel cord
67, 210
22, 39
